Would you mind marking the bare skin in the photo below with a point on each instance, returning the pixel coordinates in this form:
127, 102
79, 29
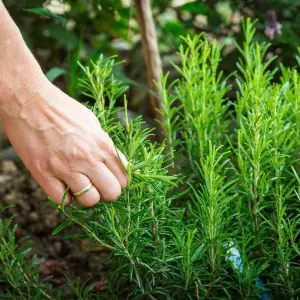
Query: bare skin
59, 140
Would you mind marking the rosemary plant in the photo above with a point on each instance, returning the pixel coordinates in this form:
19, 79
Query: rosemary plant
227, 226
21, 276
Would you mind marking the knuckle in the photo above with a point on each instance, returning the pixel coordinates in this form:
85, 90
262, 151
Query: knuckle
76, 153
38, 167
54, 162
106, 144
59, 165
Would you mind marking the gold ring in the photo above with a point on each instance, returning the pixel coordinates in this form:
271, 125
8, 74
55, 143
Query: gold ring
83, 191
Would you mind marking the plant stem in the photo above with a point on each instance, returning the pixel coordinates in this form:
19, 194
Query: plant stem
152, 56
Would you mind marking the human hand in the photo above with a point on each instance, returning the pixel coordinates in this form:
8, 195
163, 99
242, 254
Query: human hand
61, 143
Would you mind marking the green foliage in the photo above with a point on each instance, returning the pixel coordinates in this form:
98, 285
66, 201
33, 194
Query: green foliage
206, 119
93, 26
101, 85
226, 227
41, 11
22, 277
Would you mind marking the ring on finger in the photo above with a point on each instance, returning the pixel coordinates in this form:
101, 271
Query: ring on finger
83, 191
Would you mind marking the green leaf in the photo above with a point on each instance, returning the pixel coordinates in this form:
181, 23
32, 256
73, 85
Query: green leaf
61, 227
41, 11
53, 202
75, 235
175, 27
62, 205
54, 73
195, 8
64, 37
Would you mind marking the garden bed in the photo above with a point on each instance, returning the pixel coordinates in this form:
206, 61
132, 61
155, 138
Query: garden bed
226, 227
36, 219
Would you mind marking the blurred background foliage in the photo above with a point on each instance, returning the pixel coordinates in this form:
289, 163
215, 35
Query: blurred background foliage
62, 32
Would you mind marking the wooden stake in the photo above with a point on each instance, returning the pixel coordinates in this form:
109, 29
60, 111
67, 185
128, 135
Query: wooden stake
151, 53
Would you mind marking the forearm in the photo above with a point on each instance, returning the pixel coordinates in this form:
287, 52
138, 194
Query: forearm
20, 74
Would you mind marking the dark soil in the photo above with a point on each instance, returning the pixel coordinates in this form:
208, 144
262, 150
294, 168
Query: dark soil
36, 219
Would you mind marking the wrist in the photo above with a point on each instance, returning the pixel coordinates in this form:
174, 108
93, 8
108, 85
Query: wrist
20, 73
16, 94
21, 76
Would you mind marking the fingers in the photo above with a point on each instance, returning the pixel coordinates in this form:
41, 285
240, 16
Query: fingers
55, 189
117, 164
123, 159
106, 172
105, 182
77, 182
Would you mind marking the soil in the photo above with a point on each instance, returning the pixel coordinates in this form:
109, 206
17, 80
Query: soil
36, 219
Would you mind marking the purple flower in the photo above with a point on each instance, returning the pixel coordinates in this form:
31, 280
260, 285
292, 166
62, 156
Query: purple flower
271, 31
274, 27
